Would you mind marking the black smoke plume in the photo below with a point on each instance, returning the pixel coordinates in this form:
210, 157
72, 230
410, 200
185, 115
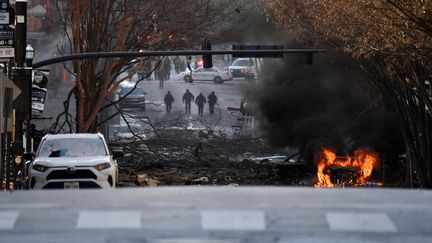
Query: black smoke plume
327, 103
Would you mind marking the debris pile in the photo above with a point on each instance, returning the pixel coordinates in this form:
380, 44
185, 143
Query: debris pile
200, 158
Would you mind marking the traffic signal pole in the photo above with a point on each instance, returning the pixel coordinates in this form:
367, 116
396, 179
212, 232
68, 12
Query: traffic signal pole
20, 32
133, 54
21, 76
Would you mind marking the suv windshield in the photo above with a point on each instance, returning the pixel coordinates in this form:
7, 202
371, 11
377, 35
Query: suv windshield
72, 147
240, 62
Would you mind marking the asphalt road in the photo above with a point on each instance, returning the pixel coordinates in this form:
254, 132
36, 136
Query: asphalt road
217, 215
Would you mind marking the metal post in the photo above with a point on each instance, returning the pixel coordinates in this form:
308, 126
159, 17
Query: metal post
21, 79
29, 82
20, 32
2, 129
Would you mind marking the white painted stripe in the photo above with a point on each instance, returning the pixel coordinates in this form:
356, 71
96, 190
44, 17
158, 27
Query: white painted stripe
29, 205
232, 220
8, 219
361, 222
194, 240
109, 220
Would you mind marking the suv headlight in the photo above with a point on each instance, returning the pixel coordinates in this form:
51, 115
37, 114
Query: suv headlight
102, 166
40, 168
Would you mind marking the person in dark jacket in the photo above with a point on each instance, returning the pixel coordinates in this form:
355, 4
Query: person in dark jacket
169, 99
200, 101
187, 99
212, 99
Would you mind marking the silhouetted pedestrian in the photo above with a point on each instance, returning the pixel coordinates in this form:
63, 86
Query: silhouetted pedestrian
200, 101
212, 100
169, 99
187, 99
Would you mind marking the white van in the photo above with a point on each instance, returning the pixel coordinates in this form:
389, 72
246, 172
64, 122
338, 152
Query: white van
244, 68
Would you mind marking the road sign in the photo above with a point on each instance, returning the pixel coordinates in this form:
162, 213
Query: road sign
9, 84
4, 17
38, 98
7, 52
7, 36
4, 4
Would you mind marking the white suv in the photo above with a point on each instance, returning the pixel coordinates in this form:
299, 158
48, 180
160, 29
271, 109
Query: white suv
73, 161
243, 68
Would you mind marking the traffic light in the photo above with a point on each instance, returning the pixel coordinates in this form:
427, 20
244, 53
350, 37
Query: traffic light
207, 58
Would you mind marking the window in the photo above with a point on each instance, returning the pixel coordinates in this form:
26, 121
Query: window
241, 62
72, 147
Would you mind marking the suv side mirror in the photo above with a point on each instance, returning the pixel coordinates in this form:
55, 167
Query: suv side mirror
117, 154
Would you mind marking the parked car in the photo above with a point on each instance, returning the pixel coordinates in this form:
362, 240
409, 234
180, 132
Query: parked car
131, 99
73, 161
205, 74
125, 132
243, 68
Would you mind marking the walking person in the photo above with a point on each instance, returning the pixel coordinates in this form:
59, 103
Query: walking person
200, 101
187, 99
169, 99
212, 100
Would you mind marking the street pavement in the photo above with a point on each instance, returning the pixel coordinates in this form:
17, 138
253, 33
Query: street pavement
217, 215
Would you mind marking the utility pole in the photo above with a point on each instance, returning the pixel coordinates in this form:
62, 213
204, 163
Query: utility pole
21, 75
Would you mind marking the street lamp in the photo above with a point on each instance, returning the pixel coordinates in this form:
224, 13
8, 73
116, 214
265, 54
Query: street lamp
30, 53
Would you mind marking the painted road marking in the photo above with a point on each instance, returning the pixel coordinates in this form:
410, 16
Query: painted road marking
109, 220
361, 222
8, 219
232, 220
193, 240
29, 205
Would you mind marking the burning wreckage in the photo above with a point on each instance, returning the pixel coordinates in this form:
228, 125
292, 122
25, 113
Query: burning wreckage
340, 171
229, 162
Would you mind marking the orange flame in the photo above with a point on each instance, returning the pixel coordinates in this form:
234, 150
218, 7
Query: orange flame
364, 160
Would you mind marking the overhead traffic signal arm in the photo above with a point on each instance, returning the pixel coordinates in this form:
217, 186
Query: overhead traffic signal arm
166, 53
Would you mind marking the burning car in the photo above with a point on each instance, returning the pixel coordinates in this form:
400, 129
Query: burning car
335, 171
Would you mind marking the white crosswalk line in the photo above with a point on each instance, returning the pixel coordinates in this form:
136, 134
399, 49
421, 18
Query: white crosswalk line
193, 240
360, 222
109, 220
232, 220
8, 219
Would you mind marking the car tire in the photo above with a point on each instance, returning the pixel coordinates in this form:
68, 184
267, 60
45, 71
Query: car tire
218, 80
187, 78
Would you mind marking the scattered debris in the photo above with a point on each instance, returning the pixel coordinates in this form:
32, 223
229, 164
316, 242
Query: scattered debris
201, 157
